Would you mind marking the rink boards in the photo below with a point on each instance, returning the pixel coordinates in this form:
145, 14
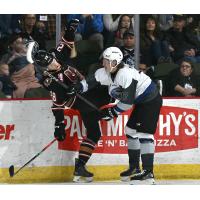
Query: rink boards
26, 126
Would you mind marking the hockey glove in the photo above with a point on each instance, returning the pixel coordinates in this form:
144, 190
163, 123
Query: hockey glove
73, 75
59, 132
72, 25
108, 113
71, 29
75, 88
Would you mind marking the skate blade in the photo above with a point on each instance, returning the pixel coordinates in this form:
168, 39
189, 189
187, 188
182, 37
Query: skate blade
125, 178
80, 179
150, 181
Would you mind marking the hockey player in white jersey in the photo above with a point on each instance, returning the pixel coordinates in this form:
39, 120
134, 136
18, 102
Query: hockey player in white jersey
130, 87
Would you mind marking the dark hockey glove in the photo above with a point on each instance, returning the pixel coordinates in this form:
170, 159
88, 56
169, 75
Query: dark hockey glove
59, 132
75, 88
70, 30
72, 25
73, 74
108, 113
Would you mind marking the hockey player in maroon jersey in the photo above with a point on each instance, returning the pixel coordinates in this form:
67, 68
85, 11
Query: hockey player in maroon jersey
55, 63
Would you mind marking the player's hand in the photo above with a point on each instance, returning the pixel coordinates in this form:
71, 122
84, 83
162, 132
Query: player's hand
59, 132
72, 25
70, 30
108, 113
75, 88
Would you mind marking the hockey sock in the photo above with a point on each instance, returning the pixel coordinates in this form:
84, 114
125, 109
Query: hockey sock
147, 161
86, 150
133, 151
147, 153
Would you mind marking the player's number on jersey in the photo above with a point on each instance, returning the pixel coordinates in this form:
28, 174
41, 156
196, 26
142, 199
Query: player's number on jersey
53, 96
60, 47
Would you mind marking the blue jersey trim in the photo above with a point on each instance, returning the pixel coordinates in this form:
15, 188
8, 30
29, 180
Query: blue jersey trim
118, 109
148, 90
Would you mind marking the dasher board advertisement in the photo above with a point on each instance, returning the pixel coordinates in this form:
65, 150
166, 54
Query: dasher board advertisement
28, 125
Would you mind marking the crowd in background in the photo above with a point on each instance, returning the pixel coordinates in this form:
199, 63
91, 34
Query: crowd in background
166, 42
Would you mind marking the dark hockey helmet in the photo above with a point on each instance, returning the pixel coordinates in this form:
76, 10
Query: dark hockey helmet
43, 58
40, 57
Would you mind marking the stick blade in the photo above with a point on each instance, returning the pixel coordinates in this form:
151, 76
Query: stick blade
11, 170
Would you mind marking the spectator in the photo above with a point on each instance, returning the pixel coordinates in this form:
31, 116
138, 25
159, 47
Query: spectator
1, 85
9, 23
47, 24
152, 44
111, 22
2, 95
110, 26
5, 31
51, 27
22, 73
90, 27
183, 81
5, 25
128, 48
183, 43
165, 21
146, 70
30, 30
192, 22
7, 86
125, 24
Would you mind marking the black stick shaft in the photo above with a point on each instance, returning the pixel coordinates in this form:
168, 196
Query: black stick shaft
66, 87
46, 147
88, 102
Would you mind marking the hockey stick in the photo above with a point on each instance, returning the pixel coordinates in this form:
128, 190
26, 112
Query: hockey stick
66, 87
11, 168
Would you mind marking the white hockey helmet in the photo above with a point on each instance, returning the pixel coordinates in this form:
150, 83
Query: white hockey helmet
113, 53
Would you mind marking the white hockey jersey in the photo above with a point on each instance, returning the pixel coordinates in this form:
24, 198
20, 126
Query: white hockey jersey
128, 85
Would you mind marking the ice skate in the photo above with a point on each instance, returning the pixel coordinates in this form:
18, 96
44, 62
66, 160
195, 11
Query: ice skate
81, 175
146, 177
125, 175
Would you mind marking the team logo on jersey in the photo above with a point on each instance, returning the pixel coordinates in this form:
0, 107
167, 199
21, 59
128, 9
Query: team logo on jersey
47, 82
